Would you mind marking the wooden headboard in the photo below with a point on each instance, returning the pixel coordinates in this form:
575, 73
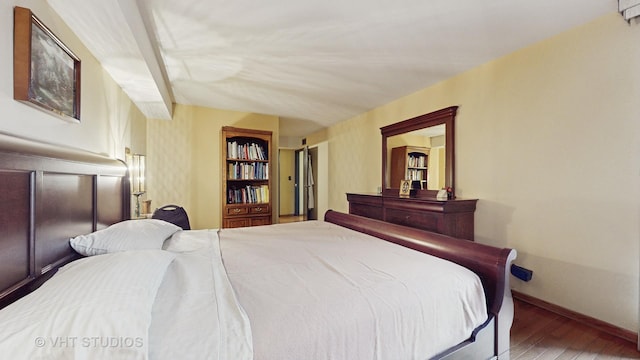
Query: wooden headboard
49, 194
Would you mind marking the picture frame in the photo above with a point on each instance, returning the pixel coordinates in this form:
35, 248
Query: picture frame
46, 73
405, 188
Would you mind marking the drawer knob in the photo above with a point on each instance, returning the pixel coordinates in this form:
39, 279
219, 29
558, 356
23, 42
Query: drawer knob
259, 209
236, 210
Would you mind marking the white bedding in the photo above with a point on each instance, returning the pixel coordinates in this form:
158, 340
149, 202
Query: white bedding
98, 307
315, 290
311, 290
196, 314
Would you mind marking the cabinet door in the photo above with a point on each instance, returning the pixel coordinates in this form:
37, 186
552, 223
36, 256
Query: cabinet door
234, 223
261, 220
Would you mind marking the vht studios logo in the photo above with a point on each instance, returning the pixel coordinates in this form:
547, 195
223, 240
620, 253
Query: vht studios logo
89, 342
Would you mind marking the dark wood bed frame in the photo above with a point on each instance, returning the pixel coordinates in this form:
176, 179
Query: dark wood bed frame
491, 264
48, 194
51, 193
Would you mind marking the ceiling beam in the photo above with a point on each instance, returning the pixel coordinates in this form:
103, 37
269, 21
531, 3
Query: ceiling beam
629, 8
150, 52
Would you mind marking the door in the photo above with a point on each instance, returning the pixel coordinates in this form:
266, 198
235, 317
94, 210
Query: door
312, 174
302, 182
287, 175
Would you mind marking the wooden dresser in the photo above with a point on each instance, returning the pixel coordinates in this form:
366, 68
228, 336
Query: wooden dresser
448, 217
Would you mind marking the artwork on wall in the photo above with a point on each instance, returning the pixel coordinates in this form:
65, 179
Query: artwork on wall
45, 72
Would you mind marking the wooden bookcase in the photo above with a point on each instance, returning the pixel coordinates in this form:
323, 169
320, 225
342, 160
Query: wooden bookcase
409, 162
246, 180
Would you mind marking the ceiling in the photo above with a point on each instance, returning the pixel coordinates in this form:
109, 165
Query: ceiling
311, 62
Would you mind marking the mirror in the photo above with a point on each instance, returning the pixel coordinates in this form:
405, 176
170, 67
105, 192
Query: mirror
420, 149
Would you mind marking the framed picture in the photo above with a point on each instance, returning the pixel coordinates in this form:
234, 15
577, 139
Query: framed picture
405, 188
46, 73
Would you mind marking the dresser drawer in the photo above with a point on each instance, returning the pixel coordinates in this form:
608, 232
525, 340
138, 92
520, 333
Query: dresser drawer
366, 210
259, 209
421, 220
449, 217
233, 211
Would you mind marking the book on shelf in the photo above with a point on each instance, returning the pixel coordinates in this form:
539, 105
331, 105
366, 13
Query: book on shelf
416, 161
247, 151
413, 174
250, 194
248, 171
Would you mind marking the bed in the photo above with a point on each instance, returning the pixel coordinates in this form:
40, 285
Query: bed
344, 288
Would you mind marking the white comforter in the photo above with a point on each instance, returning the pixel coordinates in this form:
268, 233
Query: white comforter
300, 291
316, 290
138, 304
196, 314
94, 308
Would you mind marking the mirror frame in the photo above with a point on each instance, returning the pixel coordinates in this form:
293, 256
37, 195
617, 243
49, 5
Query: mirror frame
444, 116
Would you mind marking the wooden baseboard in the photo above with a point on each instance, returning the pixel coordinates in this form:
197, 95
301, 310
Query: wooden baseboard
584, 319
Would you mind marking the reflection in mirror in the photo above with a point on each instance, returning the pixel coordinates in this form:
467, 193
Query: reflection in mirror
418, 156
420, 149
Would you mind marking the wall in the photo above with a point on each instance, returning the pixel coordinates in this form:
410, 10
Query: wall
184, 160
108, 116
548, 140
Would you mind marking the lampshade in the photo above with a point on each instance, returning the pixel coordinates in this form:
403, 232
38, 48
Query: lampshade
136, 163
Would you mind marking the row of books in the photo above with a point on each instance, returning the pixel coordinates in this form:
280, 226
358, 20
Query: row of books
250, 194
413, 174
417, 161
248, 171
247, 151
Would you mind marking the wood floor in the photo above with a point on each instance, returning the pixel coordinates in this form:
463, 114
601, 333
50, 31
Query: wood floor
540, 334
290, 218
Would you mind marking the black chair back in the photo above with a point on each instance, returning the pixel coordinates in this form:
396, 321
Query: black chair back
174, 214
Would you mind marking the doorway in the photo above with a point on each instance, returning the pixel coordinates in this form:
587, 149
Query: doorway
286, 185
292, 184
302, 184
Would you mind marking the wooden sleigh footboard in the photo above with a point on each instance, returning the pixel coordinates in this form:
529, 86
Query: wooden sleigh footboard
491, 264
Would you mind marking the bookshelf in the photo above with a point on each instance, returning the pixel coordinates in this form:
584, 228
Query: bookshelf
409, 162
246, 182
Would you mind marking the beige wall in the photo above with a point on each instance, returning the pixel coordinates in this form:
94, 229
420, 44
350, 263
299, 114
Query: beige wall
107, 114
286, 162
547, 139
184, 160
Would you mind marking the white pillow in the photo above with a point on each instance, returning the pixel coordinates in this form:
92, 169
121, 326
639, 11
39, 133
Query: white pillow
187, 241
125, 235
94, 308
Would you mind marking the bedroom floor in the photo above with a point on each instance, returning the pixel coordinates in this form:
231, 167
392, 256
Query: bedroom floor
540, 334
290, 218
